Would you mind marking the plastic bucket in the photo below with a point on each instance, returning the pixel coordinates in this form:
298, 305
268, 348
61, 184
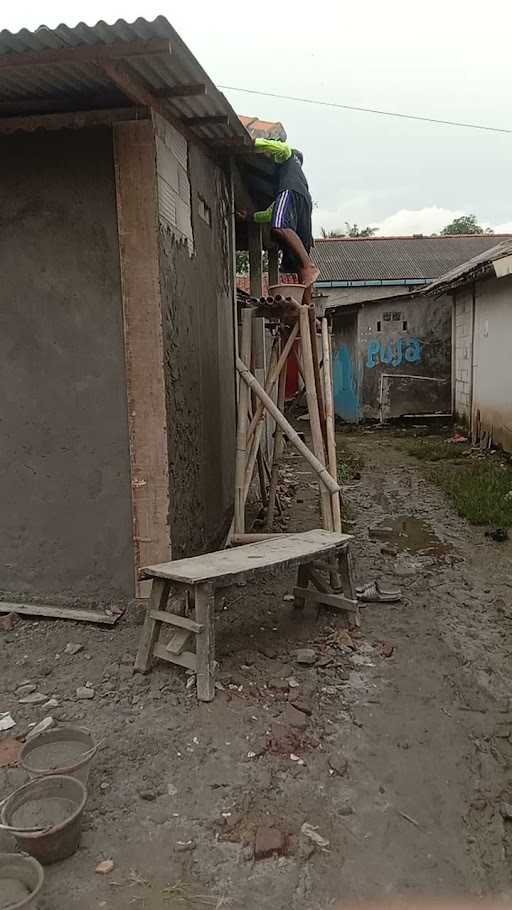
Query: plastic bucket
73, 761
62, 838
19, 874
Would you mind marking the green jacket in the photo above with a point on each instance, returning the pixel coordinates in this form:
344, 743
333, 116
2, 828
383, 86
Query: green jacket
279, 152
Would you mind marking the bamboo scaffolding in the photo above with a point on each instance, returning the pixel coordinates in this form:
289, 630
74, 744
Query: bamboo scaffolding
329, 422
314, 413
241, 437
277, 452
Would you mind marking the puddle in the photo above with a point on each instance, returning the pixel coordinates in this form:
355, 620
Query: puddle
410, 534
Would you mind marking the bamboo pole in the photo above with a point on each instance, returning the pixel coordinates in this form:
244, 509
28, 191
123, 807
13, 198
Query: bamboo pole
314, 414
287, 428
241, 434
316, 371
277, 453
273, 376
256, 439
329, 422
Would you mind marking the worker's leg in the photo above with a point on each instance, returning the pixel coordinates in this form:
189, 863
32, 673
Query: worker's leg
285, 224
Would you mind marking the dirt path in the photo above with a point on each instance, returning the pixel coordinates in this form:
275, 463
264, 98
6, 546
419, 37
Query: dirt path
180, 790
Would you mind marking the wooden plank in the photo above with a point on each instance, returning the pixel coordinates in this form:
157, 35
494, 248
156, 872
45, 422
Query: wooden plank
329, 600
241, 539
178, 642
277, 453
137, 219
205, 642
157, 601
94, 53
133, 87
71, 119
187, 659
52, 611
172, 619
316, 370
220, 567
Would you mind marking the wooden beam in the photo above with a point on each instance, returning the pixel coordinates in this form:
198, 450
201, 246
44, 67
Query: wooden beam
51, 611
187, 90
338, 601
54, 105
133, 87
207, 119
75, 120
94, 53
181, 622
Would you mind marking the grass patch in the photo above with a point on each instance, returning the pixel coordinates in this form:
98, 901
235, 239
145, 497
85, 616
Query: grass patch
479, 490
434, 449
349, 466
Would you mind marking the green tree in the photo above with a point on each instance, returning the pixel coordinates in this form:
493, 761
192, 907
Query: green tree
351, 230
465, 224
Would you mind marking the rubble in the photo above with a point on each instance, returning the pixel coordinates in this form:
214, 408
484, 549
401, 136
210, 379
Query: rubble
306, 656
85, 692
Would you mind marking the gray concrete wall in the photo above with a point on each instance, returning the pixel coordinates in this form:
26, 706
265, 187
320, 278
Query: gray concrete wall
405, 357
65, 517
463, 352
197, 302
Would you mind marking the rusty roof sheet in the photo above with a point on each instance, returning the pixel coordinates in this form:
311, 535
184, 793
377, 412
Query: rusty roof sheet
467, 271
263, 129
396, 258
81, 81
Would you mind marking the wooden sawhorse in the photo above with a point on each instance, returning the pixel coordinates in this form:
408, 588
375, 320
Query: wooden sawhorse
191, 584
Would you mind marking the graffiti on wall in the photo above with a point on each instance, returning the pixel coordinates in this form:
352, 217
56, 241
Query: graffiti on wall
393, 353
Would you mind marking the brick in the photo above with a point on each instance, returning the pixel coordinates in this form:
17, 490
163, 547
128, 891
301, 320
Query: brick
269, 842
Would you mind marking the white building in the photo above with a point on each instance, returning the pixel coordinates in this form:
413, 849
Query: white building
481, 290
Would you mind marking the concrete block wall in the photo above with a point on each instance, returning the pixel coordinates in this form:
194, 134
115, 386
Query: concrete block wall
463, 344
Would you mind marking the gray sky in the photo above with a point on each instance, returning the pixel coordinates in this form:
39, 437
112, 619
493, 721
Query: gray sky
449, 59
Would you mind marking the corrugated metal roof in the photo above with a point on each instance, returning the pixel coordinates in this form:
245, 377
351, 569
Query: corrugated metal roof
396, 258
79, 82
468, 270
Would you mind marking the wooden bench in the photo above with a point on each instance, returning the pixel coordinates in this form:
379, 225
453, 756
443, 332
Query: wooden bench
190, 584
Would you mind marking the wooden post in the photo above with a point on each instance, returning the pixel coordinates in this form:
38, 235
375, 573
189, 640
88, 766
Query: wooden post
329, 421
204, 600
278, 451
157, 601
256, 439
291, 434
255, 260
241, 435
316, 371
314, 415
273, 265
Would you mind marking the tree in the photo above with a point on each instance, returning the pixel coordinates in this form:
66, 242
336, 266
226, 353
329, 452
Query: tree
465, 224
351, 230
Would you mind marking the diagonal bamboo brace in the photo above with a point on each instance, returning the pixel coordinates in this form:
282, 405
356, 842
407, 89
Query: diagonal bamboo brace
286, 427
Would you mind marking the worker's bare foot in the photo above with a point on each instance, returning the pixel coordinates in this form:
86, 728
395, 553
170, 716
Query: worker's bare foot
308, 275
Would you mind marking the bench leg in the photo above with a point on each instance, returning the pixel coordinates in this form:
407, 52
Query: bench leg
204, 602
157, 601
346, 570
302, 582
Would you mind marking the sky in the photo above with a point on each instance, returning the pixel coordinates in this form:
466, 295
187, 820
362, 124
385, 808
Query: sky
448, 59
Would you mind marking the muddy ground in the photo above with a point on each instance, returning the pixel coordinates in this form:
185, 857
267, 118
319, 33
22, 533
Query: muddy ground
403, 762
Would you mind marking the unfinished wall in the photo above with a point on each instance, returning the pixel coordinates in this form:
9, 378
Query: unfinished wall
492, 392
65, 522
463, 352
198, 343
405, 357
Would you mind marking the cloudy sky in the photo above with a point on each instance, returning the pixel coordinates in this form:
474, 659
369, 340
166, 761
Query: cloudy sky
448, 59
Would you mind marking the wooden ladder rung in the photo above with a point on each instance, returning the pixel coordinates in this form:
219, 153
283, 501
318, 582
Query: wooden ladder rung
187, 659
172, 619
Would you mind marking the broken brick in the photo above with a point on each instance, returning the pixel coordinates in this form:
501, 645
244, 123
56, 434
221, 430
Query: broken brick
269, 842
